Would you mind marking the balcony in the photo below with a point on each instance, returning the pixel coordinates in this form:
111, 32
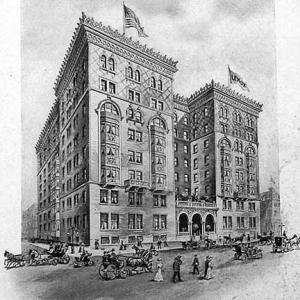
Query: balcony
158, 168
110, 160
134, 183
109, 182
196, 204
158, 187
109, 137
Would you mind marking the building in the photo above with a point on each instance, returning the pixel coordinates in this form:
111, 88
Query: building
29, 223
270, 212
47, 150
133, 160
223, 159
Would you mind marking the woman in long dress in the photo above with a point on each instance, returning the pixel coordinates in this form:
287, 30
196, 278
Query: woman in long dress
209, 274
158, 275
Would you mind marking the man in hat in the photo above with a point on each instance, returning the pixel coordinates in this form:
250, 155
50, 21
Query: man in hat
206, 264
176, 268
195, 265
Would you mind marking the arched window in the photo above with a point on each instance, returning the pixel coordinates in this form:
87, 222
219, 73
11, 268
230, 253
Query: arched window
205, 111
239, 118
111, 64
159, 85
109, 107
103, 61
158, 122
252, 123
221, 112
130, 113
226, 112
236, 145
234, 116
137, 75
152, 82
183, 223
241, 147
138, 116
130, 72
175, 118
209, 223
194, 117
250, 150
225, 144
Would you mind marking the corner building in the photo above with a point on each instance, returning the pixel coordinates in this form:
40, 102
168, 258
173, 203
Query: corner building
135, 161
116, 147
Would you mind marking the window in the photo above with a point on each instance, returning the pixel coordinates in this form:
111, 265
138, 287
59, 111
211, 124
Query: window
195, 148
131, 134
175, 132
155, 221
83, 196
175, 147
185, 135
130, 73
103, 85
159, 85
112, 88
131, 174
83, 131
205, 128
155, 200
186, 178
153, 103
195, 163
131, 198
114, 221
176, 176
131, 156
103, 221
252, 222
138, 116
139, 175
152, 82
111, 64
185, 121
163, 200
139, 158
103, 196
103, 61
206, 174
186, 163
131, 95
175, 161
205, 111
206, 159
138, 136
139, 199
114, 197
131, 221
75, 140
207, 189
137, 97
160, 105
137, 75
185, 149
175, 118
196, 177
139, 221
84, 174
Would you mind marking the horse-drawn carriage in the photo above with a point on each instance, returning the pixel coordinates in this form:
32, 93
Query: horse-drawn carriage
243, 252
59, 255
191, 245
120, 266
265, 240
283, 244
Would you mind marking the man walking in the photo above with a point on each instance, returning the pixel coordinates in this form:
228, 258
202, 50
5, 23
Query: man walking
176, 268
159, 244
195, 265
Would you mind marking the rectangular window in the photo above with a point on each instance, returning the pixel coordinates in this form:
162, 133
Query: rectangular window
185, 135
206, 174
138, 136
175, 162
175, 147
225, 223
155, 200
195, 148
160, 105
196, 177
229, 222
206, 159
131, 174
139, 221
153, 103
114, 197
175, 132
139, 175
131, 198
195, 163
131, 95
112, 88
137, 97
224, 204
131, 134
103, 85
186, 178
139, 199
131, 156
176, 176
155, 221
103, 221
114, 221
163, 200
205, 128
229, 205
103, 196
185, 149
131, 221
186, 163
139, 158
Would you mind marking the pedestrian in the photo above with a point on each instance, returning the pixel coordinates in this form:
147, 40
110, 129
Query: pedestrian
166, 243
176, 268
248, 238
209, 275
159, 243
122, 245
195, 265
206, 266
159, 269
96, 244
152, 247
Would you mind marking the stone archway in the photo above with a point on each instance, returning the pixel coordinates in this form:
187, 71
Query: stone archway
209, 223
183, 223
196, 224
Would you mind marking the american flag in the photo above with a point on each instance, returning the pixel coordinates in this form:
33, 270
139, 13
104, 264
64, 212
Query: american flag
132, 20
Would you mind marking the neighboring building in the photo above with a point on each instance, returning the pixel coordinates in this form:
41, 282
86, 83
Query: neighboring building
224, 180
132, 160
29, 223
48, 178
270, 212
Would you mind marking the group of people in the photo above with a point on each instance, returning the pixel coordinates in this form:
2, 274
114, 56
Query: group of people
207, 274
58, 247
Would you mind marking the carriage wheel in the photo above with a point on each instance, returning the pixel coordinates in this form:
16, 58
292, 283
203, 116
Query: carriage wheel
54, 262
65, 259
102, 271
129, 271
111, 272
123, 273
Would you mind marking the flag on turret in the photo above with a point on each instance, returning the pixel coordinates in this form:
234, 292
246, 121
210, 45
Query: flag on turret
132, 20
236, 78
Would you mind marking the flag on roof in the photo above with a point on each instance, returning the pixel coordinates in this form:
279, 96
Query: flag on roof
132, 20
236, 78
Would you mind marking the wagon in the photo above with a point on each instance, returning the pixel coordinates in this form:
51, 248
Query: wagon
279, 245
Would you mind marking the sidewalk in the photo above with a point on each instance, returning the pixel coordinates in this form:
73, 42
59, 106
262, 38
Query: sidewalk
99, 252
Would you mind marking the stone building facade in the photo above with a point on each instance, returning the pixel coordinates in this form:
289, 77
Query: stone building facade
133, 160
48, 162
270, 219
29, 223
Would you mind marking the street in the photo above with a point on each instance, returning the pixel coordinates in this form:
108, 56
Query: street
275, 276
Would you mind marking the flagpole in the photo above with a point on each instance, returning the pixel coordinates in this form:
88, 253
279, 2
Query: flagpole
228, 76
123, 18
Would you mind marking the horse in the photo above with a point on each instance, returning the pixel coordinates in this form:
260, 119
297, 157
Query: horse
13, 260
239, 238
264, 239
293, 241
226, 240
